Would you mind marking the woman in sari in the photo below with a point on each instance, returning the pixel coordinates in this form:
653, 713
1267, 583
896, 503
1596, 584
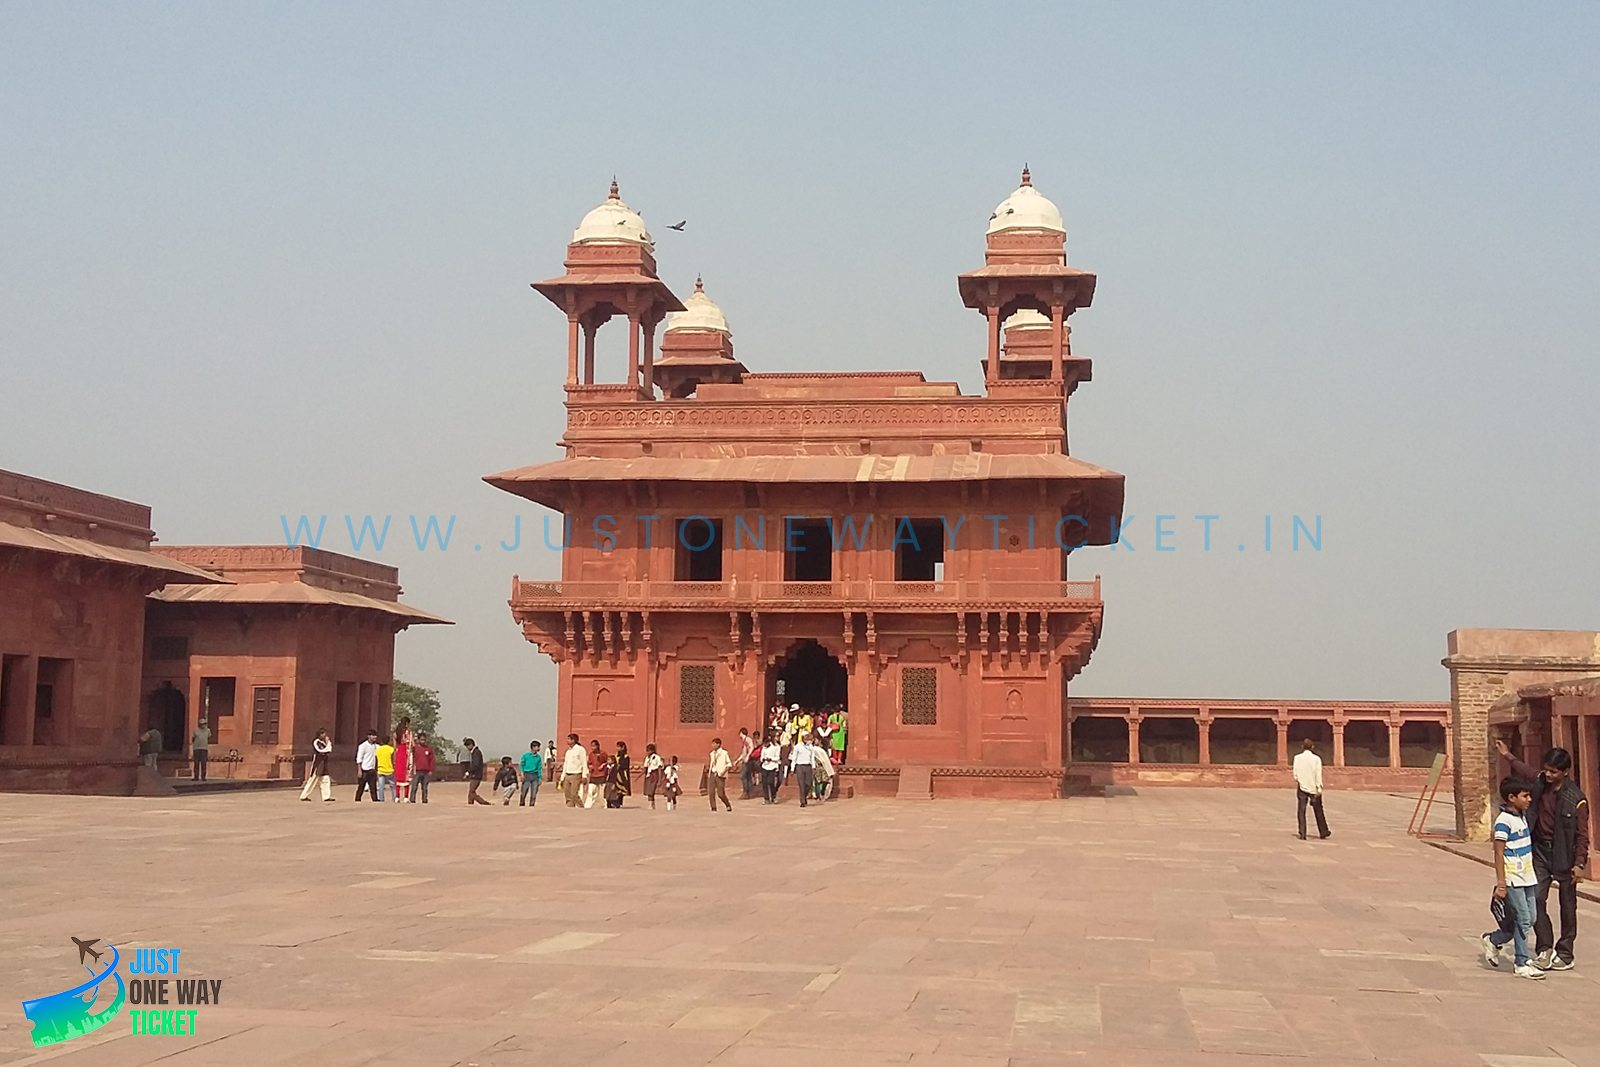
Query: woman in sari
619, 784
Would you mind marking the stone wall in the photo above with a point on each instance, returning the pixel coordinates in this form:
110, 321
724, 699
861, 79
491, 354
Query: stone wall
1484, 666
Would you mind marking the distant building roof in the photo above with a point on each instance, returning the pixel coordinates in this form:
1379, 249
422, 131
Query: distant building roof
12, 536
290, 593
247, 564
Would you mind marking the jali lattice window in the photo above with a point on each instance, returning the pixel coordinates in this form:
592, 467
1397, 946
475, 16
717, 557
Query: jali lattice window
919, 696
697, 693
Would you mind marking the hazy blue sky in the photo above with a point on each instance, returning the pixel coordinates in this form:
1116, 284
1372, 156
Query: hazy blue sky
259, 260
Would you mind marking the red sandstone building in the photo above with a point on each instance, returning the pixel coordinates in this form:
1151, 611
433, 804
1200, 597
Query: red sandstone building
870, 539
103, 636
75, 568
302, 639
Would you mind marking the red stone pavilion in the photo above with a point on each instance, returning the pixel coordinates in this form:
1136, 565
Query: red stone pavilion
871, 539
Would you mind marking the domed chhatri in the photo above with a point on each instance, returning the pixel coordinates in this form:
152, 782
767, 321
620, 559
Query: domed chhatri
611, 273
1026, 319
1026, 209
613, 222
700, 313
1026, 291
696, 349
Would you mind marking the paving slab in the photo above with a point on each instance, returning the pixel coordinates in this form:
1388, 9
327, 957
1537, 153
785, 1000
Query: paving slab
1180, 926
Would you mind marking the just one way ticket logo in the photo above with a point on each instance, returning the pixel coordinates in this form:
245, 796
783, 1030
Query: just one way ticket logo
168, 1000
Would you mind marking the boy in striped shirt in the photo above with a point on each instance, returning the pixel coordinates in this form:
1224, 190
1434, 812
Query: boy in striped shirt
1515, 881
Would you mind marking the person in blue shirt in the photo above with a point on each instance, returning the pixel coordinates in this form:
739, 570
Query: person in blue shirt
532, 774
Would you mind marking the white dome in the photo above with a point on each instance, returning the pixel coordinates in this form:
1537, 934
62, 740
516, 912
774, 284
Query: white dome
1027, 319
1026, 209
613, 222
699, 312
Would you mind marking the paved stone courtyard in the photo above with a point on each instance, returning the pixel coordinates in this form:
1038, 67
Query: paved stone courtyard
1174, 927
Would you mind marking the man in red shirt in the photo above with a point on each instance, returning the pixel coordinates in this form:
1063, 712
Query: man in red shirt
423, 771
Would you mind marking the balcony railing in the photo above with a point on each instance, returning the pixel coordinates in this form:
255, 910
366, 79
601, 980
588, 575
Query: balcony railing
974, 594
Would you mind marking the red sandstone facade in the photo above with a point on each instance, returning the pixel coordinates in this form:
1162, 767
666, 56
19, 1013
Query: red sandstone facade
103, 636
708, 556
75, 568
1566, 713
1489, 672
302, 639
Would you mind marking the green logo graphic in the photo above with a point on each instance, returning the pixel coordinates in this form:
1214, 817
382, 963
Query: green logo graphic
70, 1014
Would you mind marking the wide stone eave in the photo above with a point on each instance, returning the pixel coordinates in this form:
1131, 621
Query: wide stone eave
552, 484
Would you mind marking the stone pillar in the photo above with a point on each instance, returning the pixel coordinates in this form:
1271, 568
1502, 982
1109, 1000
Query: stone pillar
1056, 726
993, 374
572, 349
972, 696
1133, 739
873, 675
1338, 741
1204, 723
649, 384
633, 350
1471, 693
858, 738
24, 687
588, 353
1283, 743
1057, 342
644, 674
564, 672
1394, 744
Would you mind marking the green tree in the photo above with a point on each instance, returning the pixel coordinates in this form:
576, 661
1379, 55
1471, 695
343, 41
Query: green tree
421, 706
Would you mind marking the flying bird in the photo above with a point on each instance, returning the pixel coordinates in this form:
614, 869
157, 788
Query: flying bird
679, 225
86, 948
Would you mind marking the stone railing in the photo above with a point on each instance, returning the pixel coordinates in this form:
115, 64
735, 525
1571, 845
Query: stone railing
973, 594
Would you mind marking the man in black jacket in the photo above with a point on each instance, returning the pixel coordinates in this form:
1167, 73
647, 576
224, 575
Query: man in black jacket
474, 771
1559, 818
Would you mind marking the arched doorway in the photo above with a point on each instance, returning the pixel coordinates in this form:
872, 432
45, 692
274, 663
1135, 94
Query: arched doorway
811, 678
169, 713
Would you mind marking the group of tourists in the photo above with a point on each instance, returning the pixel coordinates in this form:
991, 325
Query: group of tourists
806, 746
803, 745
1541, 837
586, 775
826, 727
394, 771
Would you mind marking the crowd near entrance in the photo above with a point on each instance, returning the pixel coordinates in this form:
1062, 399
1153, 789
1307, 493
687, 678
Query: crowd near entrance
810, 677
804, 730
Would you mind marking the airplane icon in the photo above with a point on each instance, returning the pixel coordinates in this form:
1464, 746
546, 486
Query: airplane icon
86, 948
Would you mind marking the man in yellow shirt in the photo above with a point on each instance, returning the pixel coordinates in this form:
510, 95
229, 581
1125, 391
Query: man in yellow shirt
386, 790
